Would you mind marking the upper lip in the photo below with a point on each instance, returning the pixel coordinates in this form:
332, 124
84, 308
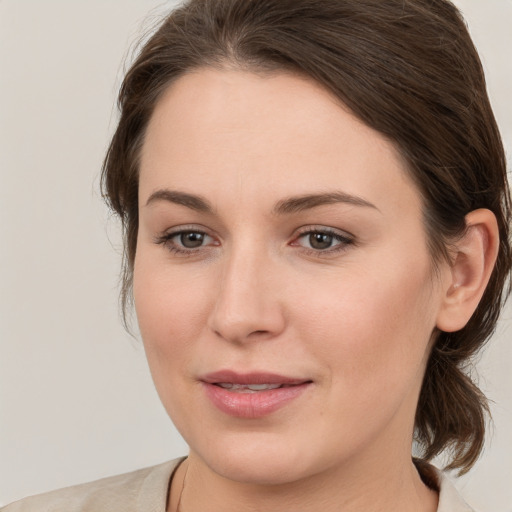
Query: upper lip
230, 376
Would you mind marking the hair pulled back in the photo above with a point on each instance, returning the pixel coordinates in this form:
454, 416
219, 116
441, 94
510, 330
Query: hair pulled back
406, 68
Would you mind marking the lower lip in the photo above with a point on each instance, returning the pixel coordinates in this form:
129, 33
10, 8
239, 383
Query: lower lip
253, 405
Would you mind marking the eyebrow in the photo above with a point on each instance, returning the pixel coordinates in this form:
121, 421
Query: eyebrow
286, 206
191, 201
300, 203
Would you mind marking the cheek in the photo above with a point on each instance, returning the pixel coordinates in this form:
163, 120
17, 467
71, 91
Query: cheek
373, 329
171, 310
171, 313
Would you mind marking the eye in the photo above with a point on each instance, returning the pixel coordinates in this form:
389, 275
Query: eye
320, 241
185, 241
190, 239
323, 240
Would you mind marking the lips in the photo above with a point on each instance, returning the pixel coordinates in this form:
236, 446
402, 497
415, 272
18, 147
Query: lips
248, 388
252, 395
228, 376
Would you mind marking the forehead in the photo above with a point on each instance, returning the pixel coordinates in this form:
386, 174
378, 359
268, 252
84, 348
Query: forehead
235, 131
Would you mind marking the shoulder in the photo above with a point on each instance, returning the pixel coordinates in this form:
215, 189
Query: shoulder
449, 498
139, 491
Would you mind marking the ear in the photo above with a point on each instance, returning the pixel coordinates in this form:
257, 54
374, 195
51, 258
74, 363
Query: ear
474, 256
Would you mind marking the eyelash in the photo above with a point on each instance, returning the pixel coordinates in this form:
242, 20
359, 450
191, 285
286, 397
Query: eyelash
166, 240
344, 240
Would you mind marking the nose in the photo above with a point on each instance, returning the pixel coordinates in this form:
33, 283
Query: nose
247, 307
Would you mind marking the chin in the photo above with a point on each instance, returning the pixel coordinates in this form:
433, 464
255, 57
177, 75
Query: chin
261, 460
261, 471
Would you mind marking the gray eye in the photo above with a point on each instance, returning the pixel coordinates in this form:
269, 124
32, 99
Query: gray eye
191, 239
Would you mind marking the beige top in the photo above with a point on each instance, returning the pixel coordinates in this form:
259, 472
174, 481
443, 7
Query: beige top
146, 490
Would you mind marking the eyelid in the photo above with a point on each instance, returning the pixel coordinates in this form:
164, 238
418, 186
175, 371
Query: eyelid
344, 238
165, 239
314, 228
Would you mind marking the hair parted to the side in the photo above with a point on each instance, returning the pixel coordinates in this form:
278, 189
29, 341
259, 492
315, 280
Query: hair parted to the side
408, 69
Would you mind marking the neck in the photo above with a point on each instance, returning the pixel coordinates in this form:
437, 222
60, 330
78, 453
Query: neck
379, 488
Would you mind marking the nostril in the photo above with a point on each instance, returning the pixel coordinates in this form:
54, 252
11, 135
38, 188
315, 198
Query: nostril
240, 336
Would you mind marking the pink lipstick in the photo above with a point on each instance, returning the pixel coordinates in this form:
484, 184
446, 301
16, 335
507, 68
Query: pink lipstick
252, 395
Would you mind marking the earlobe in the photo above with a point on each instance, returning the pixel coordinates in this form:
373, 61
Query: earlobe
472, 265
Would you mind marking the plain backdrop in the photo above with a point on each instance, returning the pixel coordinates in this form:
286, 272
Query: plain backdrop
76, 399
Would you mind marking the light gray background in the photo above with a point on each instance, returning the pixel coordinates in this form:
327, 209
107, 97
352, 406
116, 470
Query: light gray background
76, 398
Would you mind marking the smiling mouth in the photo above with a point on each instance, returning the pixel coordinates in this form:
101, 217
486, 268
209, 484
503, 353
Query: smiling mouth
250, 388
253, 395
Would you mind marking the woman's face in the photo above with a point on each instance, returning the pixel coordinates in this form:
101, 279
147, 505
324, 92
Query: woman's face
282, 281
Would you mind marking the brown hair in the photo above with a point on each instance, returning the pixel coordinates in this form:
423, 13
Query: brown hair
408, 69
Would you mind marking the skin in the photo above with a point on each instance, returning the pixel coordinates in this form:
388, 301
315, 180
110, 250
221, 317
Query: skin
356, 319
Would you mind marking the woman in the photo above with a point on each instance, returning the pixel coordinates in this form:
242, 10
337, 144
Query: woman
316, 221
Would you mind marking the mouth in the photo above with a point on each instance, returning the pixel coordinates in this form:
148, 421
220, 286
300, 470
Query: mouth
252, 395
251, 388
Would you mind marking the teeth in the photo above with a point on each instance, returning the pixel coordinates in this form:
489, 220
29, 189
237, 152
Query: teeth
225, 385
247, 388
261, 387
